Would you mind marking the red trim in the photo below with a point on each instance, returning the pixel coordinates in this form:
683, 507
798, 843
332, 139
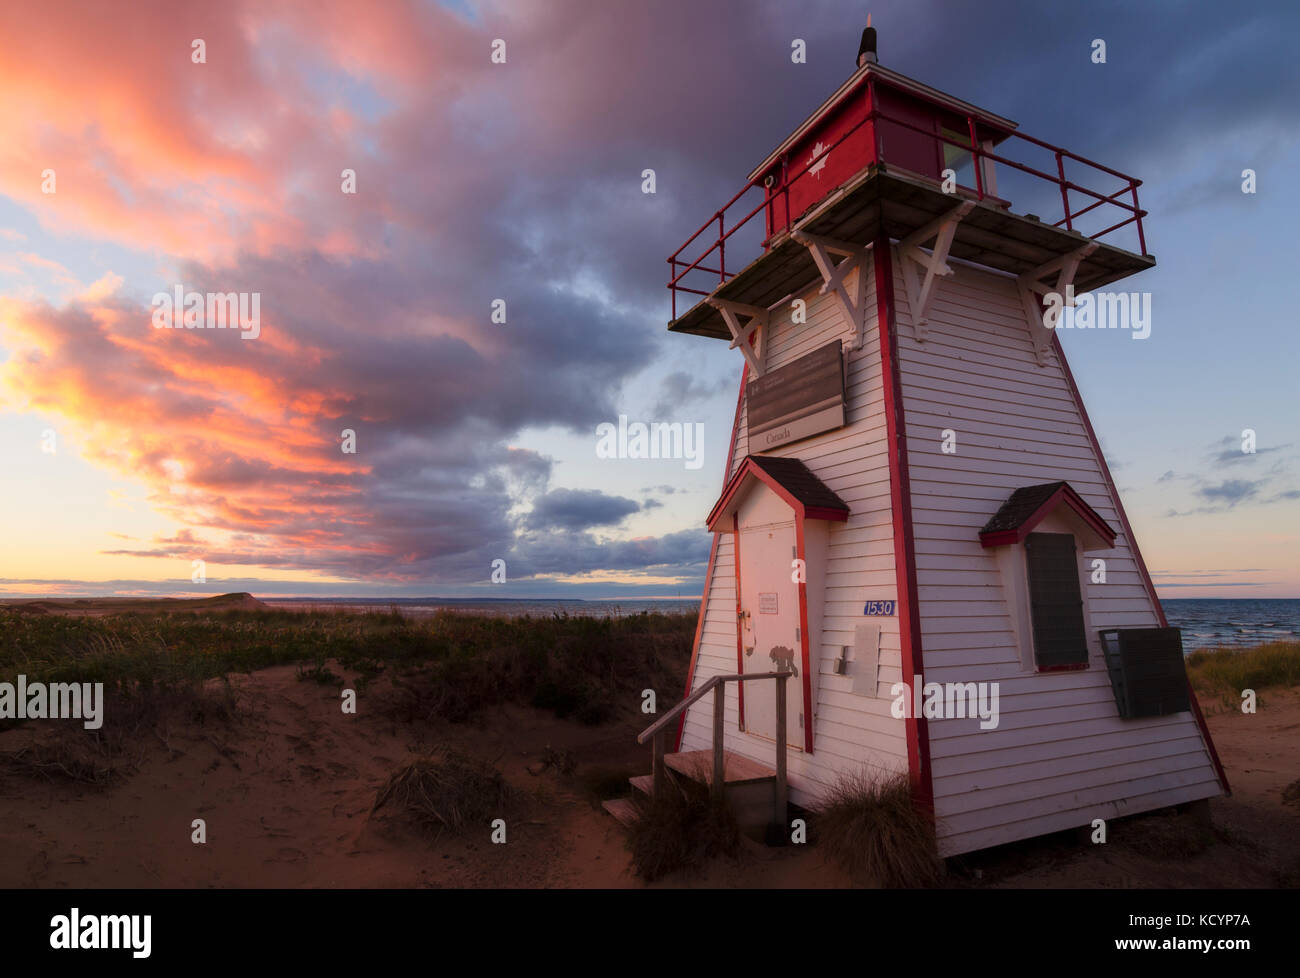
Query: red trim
977, 120
1137, 554
830, 515
800, 515
803, 637
713, 554
1065, 494
750, 467
999, 539
740, 622
900, 493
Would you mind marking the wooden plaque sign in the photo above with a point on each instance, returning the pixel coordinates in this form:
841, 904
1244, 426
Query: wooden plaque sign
798, 400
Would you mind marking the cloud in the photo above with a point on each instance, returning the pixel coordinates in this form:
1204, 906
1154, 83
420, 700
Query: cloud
375, 307
1164, 584
475, 182
1228, 451
680, 388
1231, 491
578, 509
674, 554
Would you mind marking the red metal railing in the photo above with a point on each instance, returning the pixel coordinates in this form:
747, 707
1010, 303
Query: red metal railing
978, 154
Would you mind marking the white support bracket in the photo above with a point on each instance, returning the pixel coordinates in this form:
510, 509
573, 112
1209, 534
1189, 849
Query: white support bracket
833, 276
757, 321
1032, 287
935, 263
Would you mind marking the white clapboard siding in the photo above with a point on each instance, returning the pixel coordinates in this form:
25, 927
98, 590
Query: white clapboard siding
851, 732
1060, 755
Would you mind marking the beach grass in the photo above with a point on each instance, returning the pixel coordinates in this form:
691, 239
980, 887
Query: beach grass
447, 791
450, 664
680, 829
869, 824
1226, 672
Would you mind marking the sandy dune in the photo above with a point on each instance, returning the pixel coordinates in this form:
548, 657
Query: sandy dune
286, 792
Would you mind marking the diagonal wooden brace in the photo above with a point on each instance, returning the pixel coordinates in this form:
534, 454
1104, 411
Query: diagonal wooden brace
1032, 288
757, 321
935, 263
834, 273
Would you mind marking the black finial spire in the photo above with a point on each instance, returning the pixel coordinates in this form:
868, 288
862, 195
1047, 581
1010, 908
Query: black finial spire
867, 49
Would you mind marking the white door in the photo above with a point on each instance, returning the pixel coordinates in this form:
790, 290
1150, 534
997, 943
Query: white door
770, 638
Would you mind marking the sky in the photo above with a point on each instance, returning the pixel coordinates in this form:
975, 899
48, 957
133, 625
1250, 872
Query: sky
128, 452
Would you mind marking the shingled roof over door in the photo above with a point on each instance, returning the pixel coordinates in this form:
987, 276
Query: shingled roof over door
790, 479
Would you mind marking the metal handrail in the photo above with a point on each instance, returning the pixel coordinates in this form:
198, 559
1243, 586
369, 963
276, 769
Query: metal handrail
718, 684
978, 156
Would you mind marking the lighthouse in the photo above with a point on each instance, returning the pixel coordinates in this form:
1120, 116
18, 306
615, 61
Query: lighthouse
920, 562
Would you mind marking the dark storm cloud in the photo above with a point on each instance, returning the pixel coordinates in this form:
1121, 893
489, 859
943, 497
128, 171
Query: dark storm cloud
578, 509
672, 554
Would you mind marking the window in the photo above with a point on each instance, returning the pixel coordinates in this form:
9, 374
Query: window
1055, 601
956, 157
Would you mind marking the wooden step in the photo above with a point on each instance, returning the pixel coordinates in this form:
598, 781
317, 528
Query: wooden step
698, 765
621, 809
645, 783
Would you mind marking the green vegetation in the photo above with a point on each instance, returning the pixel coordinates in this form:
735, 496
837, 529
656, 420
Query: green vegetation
450, 665
870, 827
1226, 672
101, 758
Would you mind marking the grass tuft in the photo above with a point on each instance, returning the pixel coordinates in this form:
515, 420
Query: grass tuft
447, 792
680, 829
871, 828
61, 761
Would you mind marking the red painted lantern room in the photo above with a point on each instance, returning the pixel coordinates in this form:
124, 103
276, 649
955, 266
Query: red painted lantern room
888, 153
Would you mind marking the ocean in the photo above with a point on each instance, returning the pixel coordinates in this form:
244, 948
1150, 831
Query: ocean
1205, 622
1233, 622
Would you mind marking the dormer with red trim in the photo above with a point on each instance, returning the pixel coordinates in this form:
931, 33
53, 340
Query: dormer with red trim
1027, 507
1039, 536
